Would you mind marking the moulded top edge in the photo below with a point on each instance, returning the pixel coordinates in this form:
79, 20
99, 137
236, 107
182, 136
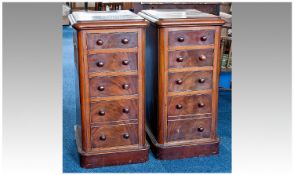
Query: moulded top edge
165, 17
109, 19
113, 15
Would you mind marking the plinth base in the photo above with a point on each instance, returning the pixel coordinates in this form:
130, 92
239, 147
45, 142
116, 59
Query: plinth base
180, 151
110, 158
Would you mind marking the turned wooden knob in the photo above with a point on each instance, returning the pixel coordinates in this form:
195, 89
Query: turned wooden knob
179, 106
201, 80
125, 86
200, 129
125, 41
126, 135
126, 110
179, 82
202, 57
100, 64
101, 112
125, 62
201, 104
103, 137
99, 42
181, 39
101, 88
180, 59
203, 38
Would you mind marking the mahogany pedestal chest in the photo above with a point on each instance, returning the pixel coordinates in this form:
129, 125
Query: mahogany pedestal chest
183, 50
109, 57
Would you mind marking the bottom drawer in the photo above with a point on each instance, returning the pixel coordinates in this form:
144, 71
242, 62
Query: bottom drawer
188, 129
114, 135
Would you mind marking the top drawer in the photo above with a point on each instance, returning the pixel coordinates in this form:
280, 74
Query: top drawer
112, 40
190, 37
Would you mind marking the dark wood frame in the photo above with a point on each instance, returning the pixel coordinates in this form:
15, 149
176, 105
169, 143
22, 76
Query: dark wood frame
95, 157
157, 136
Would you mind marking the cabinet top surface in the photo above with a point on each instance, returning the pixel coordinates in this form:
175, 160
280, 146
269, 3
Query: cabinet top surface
86, 20
180, 17
177, 14
115, 15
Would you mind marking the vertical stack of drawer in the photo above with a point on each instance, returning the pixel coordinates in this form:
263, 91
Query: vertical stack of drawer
111, 78
190, 80
113, 86
188, 69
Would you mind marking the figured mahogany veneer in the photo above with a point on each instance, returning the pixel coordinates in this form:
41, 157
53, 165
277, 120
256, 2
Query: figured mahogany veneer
190, 37
184, 64
188, 129
110, 63
190, 58
190, 81
189, 104
111, 136
112, 40
115, 110
113, 86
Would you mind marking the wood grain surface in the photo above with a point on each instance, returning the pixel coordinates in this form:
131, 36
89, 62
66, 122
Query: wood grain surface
115, 110
191, 104
189, 129
112, 62
112, 40
113, 86
114, 135
190, 58
192, 37
190, 81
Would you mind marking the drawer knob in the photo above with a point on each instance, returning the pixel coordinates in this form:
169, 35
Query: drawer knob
100, 64
201, 80
102, 113
103, 137
201, 105
101, 88
125, 62
179, 82
181, 39
200, 129
126, 110
126, 135
203, 38
125, 41
180, 59
125, 86
179, 106
99, 42
202, 57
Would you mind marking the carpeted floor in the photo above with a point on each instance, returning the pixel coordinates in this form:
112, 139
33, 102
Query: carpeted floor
220, 163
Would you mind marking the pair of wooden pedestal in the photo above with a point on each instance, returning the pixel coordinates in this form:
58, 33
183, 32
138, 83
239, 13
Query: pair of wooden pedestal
156, 72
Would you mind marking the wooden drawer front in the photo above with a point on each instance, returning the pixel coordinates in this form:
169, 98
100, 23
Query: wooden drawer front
112, 62
112, 40
117, 110
189, 81
188, 129
190, 104
190, 58
190, 37
114, 135
113, 86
